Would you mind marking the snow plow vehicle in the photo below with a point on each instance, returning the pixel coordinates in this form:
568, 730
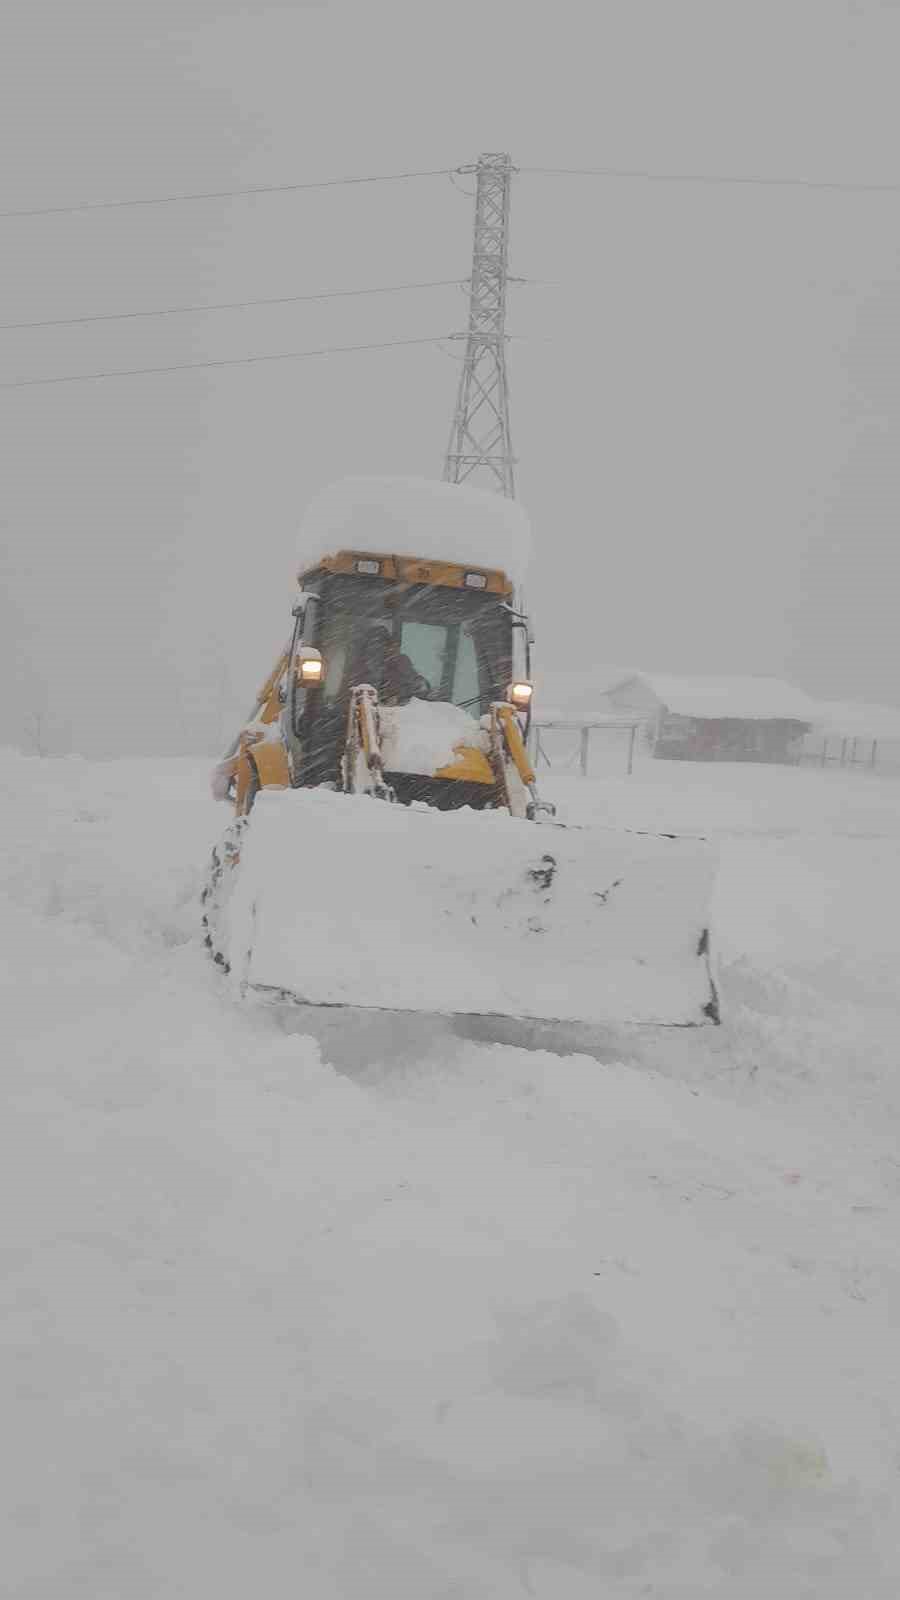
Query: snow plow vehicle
390, 850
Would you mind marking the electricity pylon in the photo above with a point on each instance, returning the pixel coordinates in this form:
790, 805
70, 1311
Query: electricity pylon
480, 447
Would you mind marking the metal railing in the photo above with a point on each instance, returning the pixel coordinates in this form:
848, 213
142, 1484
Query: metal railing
842, 752
584, 727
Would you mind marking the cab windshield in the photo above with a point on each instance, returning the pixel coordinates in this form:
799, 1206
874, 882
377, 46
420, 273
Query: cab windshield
413, 641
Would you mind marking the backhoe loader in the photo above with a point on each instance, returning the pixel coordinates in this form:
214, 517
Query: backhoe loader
384, 852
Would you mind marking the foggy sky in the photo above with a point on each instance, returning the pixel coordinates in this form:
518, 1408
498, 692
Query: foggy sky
706, 395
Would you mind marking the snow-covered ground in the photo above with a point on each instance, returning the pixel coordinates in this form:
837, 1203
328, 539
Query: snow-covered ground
449, 1321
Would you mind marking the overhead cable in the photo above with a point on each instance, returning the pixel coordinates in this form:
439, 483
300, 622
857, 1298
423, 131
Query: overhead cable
712, 178
230, 361
230, 305
223, 194
623, 173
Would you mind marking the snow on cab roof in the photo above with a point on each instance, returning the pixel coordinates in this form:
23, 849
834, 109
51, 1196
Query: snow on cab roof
743, 699
417, 517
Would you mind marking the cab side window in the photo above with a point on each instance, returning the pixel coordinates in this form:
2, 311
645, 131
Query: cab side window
466, 686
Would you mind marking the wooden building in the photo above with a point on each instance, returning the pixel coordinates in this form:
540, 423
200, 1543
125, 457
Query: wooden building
714, 719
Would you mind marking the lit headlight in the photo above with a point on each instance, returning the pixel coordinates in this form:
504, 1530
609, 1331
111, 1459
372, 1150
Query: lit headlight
475, 580
369, 569
519, 694
310, 668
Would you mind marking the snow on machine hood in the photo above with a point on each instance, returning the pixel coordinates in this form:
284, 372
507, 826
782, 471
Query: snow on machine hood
422, 736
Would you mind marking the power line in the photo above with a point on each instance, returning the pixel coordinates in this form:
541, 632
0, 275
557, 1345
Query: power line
229, 305
231, 361
623, 173
225, 194
712, 178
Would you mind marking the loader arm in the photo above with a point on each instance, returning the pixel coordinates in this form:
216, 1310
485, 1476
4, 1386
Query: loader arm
362, 763
515, 774
254, 760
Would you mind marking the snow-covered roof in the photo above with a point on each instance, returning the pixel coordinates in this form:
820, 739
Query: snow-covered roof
854, 720
418, 517
744, 699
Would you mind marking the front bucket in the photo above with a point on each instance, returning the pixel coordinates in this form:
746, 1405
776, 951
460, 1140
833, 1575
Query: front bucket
342, 900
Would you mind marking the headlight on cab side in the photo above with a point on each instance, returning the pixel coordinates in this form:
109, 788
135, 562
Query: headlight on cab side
519, 694
310, 667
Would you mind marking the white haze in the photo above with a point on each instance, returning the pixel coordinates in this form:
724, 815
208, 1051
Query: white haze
706, 409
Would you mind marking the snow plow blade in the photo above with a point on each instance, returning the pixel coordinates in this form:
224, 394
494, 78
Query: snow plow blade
342, 900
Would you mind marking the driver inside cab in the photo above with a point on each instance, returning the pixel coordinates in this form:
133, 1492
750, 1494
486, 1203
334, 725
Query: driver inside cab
383, 664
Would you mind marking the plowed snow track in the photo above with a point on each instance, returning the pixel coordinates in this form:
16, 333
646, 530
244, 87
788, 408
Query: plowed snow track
468, 1321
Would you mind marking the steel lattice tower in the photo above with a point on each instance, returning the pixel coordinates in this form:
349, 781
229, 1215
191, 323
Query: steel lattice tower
480, 447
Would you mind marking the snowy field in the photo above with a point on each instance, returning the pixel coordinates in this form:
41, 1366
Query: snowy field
427, 1319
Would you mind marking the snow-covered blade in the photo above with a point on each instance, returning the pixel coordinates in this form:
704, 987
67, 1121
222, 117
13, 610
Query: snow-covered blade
343, 900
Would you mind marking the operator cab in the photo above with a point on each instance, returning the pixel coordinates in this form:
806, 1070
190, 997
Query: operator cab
423, 631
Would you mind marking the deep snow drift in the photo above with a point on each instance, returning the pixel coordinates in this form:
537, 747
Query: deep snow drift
469, 1322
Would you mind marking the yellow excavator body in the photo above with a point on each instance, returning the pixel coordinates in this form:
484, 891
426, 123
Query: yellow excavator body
366, 866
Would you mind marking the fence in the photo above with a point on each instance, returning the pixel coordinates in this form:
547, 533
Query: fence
563, 754
841, 752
